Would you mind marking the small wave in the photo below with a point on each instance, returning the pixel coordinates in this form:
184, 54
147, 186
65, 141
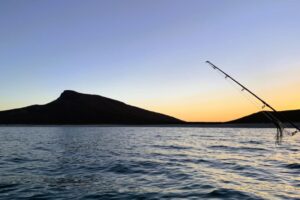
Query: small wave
237, 167
4, 188
251, 142
171, 147
20, 160
252, 149
294, 150
70, 180
40, 148
122, 195
224, 193
190, 160
293, 166
219, 147
222, 147
134, 167
196, 186
240, 168
146, 164
120, 168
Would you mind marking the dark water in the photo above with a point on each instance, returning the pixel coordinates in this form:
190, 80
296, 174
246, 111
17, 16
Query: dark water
147, 163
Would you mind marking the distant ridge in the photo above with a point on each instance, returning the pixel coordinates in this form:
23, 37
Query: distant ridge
76, 108
260, 117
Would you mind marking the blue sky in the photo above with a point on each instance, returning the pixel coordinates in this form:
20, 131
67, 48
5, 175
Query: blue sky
151, 53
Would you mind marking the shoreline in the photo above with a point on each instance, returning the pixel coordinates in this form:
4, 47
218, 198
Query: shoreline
192, 125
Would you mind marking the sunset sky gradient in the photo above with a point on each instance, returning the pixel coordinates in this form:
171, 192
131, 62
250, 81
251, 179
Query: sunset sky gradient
152, 53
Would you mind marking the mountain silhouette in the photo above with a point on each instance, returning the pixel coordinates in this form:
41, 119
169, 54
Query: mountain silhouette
260, 117
77, 108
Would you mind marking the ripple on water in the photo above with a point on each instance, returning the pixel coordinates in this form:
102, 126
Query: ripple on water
242, 148
192, 160
171, 147
133, 167
146, 163
224, 193
293, 166
122, 169
5, 188
251, 142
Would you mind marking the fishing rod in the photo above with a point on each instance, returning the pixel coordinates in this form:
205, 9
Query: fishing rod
274, 119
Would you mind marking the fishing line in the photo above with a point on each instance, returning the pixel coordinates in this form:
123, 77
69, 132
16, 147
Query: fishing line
259, 106
273, 115
266, 113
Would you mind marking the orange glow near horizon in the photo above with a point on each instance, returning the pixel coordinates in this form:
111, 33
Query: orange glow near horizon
221, 107
215, 105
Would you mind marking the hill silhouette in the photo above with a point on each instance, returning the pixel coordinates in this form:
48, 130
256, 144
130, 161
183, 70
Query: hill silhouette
77, 108
260, 117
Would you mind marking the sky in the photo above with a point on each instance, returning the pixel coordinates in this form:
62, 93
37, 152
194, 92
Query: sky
152, 53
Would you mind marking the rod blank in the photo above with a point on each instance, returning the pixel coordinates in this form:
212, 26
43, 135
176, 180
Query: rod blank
265, 104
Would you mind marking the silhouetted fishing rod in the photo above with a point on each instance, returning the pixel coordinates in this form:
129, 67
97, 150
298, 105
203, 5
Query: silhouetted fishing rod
274, 119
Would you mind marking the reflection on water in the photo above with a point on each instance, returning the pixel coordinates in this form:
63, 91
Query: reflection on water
147, 163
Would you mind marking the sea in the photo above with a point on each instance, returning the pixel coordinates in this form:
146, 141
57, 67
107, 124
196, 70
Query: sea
95, 162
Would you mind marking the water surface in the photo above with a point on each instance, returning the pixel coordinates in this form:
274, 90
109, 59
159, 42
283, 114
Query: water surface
147, 163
